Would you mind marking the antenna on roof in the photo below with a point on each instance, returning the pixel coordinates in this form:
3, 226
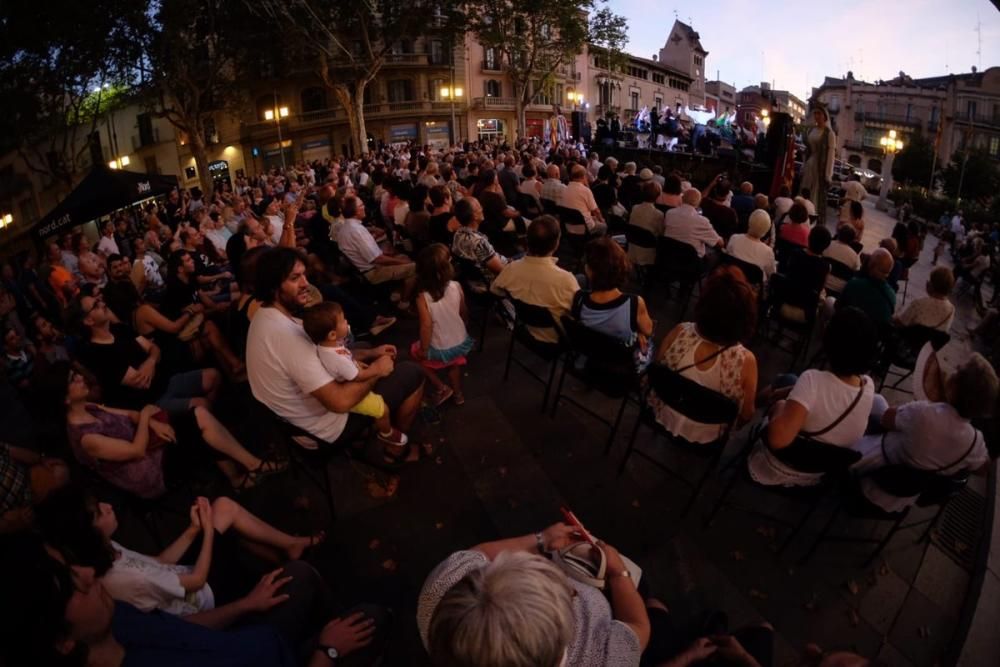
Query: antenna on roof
979, 44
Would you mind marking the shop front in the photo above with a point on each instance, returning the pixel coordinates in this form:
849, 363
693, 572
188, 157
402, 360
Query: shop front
535, 127
218, 171
403, 133
272, 154
491, 129
316, 149
437, 134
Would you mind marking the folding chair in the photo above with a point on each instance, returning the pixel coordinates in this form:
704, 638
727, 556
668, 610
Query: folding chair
641, 237
841, 271
753, 273
550, 207
574, 234
530, 207
695, 402
602, 363
784, 293
527, 315
900, 348
898, 480
678, 262
477, 291
804, 455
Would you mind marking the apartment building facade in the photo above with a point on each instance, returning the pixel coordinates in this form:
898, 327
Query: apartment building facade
955, 111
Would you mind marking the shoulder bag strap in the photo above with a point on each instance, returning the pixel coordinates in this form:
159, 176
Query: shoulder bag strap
842, 417
975, 436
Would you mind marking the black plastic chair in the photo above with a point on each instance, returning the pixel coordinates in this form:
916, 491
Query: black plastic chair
783, 251
695, 402
603, 363
477, 291
783, 292
841, 271
932, 489
530, 207
900, 348
527, 315
640, 237
753, 273
550, 207
574, 240
804, 455
616, 223
678, 262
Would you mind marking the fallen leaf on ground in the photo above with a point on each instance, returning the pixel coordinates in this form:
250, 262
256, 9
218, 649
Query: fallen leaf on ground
923, 632
503, 471
438, 460
387, 489
883, 570
737, 555
635, 503
853, 587
389, 565
439, 525
811, 604
757, 595
374, 544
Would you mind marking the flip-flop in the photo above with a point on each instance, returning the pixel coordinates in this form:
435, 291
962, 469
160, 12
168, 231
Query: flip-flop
459, 399
441, 397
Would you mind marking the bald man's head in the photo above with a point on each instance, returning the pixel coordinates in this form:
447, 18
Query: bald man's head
880, 264
691, 197
552, 171
579, 173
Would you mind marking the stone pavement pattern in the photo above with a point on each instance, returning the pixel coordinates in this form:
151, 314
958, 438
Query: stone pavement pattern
505, 469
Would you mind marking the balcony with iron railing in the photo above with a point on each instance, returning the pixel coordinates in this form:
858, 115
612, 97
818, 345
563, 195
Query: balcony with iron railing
888, 119
978, 119
491, 66
496, 103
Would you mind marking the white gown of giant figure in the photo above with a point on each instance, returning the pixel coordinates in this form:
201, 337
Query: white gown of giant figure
821, 148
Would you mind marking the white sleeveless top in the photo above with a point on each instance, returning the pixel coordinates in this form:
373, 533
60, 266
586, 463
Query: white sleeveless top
725, 376
449, 329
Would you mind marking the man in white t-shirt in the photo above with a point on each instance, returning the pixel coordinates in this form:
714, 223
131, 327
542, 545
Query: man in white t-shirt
288, 377
361, 249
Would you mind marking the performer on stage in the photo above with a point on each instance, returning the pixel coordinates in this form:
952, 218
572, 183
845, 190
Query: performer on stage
558, 127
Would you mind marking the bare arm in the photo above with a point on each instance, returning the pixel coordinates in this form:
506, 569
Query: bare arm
220, 618
159, 322
340, 397
749, 376
787, 419
643, 320
495, 264
173, 553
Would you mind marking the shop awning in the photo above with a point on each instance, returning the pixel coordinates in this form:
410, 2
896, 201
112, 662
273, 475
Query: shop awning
101, 192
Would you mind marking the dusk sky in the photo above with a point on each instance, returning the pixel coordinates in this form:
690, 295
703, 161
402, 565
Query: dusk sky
796, 44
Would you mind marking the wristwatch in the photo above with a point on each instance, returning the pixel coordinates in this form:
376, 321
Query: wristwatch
330, 652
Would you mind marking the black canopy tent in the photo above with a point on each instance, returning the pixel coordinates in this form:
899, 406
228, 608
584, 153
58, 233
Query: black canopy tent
101, 192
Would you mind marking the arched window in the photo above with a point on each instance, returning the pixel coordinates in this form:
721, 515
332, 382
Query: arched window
494, 88
854, 160
313, 99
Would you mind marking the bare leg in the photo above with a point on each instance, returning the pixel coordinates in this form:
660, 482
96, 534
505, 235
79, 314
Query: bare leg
432, 375
221, 440
408, 410
221, 348
227, 513
384, 423
211, 381
455, 379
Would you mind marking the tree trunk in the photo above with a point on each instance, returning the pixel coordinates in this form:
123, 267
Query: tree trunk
520, 106
196, 141
353, 105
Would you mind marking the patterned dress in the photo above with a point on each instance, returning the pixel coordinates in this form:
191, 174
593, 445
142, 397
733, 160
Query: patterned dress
725, 376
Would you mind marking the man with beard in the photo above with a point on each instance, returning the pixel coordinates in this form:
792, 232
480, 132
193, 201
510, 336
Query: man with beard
288, 377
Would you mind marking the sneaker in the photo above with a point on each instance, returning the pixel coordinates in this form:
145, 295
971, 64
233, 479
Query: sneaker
394, 437
381, 324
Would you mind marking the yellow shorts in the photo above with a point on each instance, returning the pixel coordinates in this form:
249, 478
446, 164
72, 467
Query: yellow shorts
371, 405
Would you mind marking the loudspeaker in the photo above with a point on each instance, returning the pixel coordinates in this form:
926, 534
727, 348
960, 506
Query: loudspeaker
579, 119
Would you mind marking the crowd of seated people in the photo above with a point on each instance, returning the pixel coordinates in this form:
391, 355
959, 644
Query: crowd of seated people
273, 292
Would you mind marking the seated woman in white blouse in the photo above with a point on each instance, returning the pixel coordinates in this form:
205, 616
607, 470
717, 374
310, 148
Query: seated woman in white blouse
934, 311
475, 603
209, 592
831, 406
935, 434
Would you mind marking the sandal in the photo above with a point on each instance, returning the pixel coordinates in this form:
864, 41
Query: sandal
459, 399
266, 469
442, 396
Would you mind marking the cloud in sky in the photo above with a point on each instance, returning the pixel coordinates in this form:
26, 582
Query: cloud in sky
796, 44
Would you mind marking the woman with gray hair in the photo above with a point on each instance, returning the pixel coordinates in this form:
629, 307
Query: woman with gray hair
935, 434
503, 604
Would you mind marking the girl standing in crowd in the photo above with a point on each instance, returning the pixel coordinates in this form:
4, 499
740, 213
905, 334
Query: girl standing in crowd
444, 341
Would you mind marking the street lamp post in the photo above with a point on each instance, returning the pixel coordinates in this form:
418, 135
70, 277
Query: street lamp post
891, 145
451, 93
276, 114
